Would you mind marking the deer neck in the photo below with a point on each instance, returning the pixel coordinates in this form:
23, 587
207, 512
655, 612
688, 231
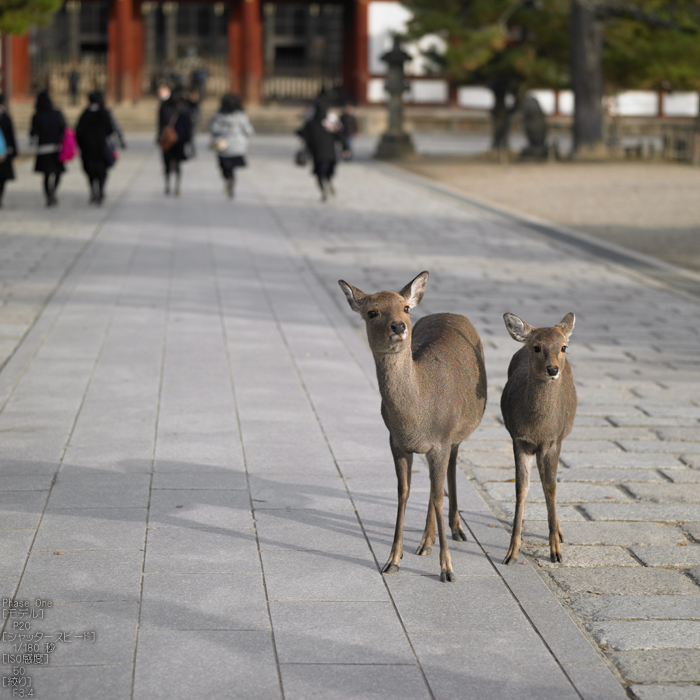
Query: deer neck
398, 383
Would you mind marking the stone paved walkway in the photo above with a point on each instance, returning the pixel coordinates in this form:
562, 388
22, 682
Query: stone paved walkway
193, 466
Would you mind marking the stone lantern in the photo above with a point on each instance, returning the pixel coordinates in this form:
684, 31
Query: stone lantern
395, 143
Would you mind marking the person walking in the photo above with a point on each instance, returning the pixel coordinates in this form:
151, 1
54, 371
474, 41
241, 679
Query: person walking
7, 171
320, 134
230, 129
93, 136
47, 131
174, 133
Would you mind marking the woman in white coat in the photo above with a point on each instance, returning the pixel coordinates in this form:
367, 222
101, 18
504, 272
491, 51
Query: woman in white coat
230, 129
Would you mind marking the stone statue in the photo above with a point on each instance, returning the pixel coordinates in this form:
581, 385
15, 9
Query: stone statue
395, 143
535, 125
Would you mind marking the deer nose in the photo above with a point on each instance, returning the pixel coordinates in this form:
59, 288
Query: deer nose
398, 327
552, 371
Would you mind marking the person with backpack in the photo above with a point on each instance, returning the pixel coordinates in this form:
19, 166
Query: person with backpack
230, 129
47, 132
93, 136
8, 147
320, 134
174, 133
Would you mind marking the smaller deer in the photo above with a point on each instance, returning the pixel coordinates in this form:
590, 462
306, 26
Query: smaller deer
538, 406
433, 385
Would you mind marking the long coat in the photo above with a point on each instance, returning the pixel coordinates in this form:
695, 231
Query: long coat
7, 172
93, 130
177, 115
48, 128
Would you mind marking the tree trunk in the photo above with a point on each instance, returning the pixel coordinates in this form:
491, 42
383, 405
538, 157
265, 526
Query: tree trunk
585, 47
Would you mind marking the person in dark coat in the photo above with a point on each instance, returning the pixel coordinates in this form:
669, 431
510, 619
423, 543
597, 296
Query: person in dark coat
92, 134
349, 122
174, 112
320, 136
48, 127
7, 171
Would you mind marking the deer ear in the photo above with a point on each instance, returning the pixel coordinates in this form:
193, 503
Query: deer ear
566, 325
413, 292
353, 294
518, 329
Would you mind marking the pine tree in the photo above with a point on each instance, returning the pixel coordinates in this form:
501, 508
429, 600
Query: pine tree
16, 16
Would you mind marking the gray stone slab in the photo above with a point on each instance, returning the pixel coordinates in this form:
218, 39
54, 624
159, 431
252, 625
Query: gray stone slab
232, 462
320, 530
595, 682
300, 492
92, 528
82, 576
659, 666
607, 533
199, 550
611, 474
656, 446
642, 511
468, 604
387, 483
622, 581
666, 692
566, 493
682, 476
583, 556
21, 509
621, 635
339, 632
678, 557
484, 664
693, 529
334, 576
196, 480
100, 491
69, 682
200, 508
467, 557
561, 634
14, 548
666, 493
620, 459
25, 482
638, 607
320, 682
538, 511
488, 459
203, 601
177, 664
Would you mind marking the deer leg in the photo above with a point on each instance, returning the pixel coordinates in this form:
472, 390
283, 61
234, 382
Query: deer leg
426, 544
402, 462
455, 523
438, 460
523, 464
547, 463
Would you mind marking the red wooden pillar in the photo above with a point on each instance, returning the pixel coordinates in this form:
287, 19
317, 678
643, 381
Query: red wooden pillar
20, 68
125, 50
361, 30
252, 51
235, 48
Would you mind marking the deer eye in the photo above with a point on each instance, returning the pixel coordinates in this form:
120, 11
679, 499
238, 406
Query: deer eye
563, 348
406, 309
372, 314
537, 348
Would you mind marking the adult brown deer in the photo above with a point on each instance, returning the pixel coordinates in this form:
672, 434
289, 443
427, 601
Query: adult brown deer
432, 381
538, 406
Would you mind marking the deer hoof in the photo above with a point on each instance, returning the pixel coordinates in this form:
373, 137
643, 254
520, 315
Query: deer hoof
556, 557
448, 576
459, 535
390, 568
424, 550
510, 560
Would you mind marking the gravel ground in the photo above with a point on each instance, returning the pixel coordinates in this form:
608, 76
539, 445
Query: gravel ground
653, 208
